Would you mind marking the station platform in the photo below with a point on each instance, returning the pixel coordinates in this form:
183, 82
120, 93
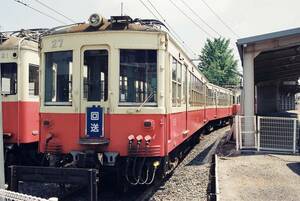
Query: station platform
259, 178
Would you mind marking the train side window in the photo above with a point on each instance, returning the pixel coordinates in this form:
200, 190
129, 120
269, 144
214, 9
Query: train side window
176, 82
210, 97
58, 78
138, 76
95, 75
197, 91
33, 80
9, 78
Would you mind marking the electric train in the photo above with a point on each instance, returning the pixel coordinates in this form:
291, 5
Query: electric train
120, 95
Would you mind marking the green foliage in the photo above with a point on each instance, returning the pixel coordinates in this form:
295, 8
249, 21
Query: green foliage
217, 62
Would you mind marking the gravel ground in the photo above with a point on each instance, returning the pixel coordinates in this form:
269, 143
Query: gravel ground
190, 179
259, 177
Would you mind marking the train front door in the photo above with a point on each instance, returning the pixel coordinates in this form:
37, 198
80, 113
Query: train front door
94, 93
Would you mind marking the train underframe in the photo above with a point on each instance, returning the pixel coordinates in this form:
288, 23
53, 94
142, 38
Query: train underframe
134, 169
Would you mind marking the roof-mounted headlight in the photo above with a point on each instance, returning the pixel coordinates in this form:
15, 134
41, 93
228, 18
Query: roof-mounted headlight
95, 20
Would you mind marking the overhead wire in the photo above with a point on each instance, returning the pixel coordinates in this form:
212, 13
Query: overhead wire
175, 34
172, 31
191, 19
149, 10
165, 21
41, 12
200, 18
57, 12
221, 20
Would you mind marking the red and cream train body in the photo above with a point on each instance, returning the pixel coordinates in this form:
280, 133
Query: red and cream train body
19, 64
122, 94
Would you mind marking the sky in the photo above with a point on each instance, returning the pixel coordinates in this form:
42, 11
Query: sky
245, 17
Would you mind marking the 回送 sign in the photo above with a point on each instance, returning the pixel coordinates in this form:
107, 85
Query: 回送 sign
94, 122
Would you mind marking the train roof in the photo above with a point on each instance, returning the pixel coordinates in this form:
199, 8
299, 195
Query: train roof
30, 37
12, 42
115, 23
210, 86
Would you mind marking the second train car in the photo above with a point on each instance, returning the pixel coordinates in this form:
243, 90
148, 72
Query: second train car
19, 66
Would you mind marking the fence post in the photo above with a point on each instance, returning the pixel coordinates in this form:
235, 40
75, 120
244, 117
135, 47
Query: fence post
237, 134
258, 133
295, 134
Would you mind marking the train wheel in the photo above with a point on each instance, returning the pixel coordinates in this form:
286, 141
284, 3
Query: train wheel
164, 167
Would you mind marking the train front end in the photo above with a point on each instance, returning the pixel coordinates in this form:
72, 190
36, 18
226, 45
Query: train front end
102, 97
19, 66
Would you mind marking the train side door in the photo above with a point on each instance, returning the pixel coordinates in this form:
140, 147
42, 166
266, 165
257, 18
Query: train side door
185, 93
94, 94
216, 103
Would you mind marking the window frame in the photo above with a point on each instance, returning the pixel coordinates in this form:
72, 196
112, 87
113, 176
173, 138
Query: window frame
177, 83
197, 91
60, 103
38, 80
16, 82
82, 74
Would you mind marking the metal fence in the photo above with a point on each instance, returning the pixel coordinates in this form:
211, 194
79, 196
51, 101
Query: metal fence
277, 134
246, 130
6, 195
267, 133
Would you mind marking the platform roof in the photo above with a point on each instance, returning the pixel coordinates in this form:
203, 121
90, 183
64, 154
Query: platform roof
265, 37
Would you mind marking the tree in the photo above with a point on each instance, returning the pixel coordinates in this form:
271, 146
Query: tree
217, 62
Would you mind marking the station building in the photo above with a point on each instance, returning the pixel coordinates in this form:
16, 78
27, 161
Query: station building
271, 87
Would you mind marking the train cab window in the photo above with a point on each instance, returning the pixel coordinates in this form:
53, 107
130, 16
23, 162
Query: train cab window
138, 77
95, 75
9, 78
176, 82
58, 78
33, 80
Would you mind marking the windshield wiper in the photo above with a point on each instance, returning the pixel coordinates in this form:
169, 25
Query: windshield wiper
147, 99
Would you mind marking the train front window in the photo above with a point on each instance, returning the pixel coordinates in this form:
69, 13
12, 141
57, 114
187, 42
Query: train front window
95, 75
9, 78
138, 76
58, 78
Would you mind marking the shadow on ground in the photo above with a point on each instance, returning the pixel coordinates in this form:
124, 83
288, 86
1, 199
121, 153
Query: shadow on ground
202, 157
295, 167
